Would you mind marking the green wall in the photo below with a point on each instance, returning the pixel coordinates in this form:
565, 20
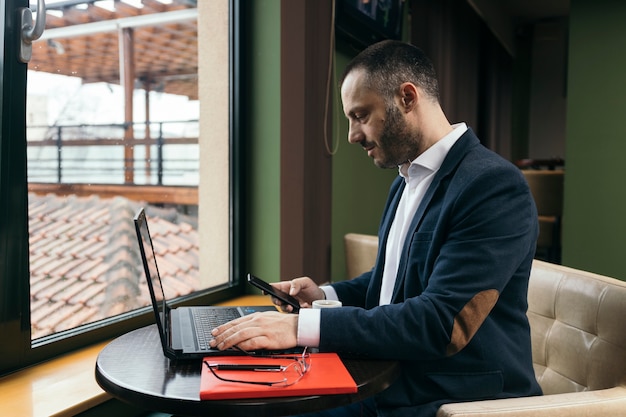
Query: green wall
359, 188
264, 143
594, 224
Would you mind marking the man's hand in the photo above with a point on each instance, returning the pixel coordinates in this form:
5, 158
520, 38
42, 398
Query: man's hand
267, 330
304, 289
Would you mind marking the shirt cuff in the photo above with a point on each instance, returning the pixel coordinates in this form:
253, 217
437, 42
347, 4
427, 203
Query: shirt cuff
330, 292
309, 327
309, 321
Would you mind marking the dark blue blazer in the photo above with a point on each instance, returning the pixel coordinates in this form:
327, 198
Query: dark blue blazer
457, 321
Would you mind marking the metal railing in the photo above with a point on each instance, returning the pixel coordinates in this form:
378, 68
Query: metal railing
166, 154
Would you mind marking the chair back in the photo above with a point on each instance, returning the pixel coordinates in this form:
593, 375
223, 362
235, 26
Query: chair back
578, 330
361, 251
546, 188
577, 321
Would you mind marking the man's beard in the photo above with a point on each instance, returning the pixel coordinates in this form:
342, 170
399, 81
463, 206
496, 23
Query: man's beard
397, 144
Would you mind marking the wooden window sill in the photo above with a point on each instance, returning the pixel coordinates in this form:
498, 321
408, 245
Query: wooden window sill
63, 386
66, 386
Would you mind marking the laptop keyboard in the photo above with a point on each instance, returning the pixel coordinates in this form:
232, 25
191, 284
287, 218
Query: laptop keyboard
206, 320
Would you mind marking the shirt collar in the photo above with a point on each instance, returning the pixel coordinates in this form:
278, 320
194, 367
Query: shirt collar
433, 157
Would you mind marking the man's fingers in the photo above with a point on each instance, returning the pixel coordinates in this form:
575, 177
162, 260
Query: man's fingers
294, 287
270, 330
230, 334
221, 333
283, 306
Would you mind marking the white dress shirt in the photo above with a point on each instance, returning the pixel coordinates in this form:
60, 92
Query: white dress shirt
418, 177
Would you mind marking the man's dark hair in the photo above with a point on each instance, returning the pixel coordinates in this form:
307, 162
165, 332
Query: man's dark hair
388, 64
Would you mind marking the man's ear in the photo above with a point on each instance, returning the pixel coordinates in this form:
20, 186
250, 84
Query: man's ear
408, 96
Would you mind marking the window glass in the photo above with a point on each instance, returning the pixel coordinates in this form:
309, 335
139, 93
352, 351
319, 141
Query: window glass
113, 119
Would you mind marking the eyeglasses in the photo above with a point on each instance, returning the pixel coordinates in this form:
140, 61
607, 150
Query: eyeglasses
291, 372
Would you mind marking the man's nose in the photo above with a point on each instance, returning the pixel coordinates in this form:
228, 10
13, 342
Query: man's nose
355, 135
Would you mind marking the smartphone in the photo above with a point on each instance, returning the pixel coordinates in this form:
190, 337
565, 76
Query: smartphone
275, 292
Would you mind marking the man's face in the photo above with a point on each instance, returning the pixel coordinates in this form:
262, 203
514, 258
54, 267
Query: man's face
380, 129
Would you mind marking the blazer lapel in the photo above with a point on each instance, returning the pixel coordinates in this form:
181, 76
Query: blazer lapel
373, 291
454, 157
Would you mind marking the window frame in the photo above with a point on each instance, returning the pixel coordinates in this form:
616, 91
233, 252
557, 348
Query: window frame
16, 348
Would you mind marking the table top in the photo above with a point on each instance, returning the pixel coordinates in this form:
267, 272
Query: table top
133, 369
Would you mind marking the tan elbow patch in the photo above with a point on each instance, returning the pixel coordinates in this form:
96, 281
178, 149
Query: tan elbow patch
470, 318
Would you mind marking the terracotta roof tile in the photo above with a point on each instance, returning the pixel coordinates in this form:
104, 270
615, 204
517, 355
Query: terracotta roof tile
81, 269
56, 286
182, 264
86, 314
85, 263
88, 231
66, 268
91, 296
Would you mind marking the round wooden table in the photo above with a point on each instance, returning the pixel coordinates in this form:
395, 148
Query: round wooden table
133, 369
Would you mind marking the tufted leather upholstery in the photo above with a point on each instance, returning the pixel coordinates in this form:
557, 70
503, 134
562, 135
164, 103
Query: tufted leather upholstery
578, 332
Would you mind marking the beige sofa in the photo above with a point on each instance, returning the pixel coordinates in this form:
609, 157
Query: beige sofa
578, 332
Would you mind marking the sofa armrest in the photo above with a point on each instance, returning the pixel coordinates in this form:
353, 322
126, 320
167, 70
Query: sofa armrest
607, 402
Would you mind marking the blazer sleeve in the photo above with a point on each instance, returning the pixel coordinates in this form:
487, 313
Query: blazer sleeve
353, 292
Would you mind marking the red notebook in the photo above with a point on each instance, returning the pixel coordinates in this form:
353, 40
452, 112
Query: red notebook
326, 375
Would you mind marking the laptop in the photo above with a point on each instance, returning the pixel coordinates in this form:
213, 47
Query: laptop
185, 331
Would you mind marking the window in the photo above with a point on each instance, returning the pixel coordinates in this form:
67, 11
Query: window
99, 145
112, 111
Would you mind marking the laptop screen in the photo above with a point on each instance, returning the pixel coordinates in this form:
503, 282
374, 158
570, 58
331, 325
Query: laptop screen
152, 271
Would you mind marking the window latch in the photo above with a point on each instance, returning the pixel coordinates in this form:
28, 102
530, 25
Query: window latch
30, 32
